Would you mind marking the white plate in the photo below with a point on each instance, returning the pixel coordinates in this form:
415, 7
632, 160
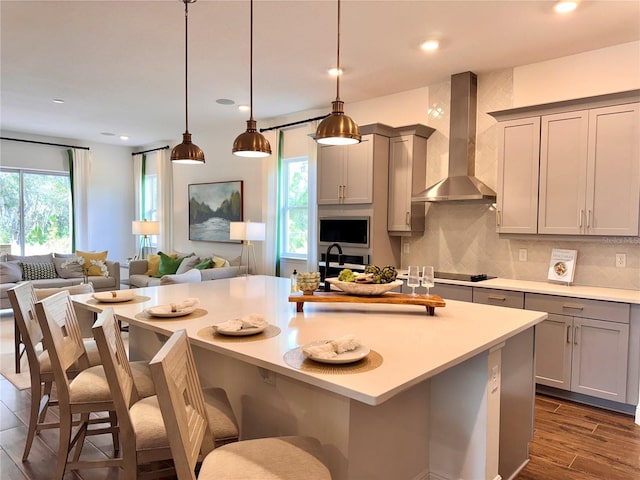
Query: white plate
346, 357
165, 311
355, 288
241, 333
108, 297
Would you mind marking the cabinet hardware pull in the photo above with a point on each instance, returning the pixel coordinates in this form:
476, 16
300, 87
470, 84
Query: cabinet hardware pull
339, 191
588, 218
498, 222
573, 306
575, 335
497, 297
408, 218
344, 191
580, 218
568, 333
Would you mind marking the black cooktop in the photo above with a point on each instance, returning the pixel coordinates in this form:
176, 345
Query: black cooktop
465, 277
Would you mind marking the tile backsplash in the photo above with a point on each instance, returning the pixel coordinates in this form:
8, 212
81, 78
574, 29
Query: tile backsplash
463, 238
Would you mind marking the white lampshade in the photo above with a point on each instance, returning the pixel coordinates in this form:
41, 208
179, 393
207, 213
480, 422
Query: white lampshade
145, 227
252, 231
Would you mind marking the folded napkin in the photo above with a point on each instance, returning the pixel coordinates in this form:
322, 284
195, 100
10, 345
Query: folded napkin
189, 302
252, 320
333, 347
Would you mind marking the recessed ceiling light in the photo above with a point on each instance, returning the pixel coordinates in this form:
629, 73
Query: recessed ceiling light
243, 108
225, 101
566, 6
334, 72
57, 100
124, 137
430, 45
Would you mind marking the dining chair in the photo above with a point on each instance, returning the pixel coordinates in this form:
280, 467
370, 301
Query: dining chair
87, 393
142, 432
23, 298
185, 417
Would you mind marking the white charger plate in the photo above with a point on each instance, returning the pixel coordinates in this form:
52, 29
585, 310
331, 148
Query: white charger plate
242, 332
164, 311
346, 357
107, 297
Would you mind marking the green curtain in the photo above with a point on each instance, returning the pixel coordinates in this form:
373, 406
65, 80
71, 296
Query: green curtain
278, 210
73, 209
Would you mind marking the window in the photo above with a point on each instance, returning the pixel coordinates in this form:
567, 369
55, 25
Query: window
35, 211
294, 207
150, 204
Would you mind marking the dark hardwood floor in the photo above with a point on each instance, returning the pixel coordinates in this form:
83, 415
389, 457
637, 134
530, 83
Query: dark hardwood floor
571, 442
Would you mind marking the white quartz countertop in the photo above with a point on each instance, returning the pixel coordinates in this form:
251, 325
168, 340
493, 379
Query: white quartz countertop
413, 345
548, 288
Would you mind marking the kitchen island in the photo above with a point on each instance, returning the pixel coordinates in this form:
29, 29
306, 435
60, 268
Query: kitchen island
426, 403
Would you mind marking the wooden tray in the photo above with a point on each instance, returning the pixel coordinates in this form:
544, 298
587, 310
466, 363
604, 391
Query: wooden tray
428, 301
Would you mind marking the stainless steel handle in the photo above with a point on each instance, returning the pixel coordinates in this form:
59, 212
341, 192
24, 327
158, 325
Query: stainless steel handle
568, 333
498, 219
497, 297
344, 191
575, 335
588, 218
580, 213
408, 218
573, 306
339, 191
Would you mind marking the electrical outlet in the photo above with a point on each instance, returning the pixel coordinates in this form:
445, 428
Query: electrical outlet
406, 247
621, 260
522, 255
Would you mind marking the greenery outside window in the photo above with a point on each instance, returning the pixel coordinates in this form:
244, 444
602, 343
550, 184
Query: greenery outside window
294, 207
35, 209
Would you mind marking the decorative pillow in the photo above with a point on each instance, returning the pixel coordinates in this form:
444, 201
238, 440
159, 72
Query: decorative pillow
92, 268
47, 258
219, 262
168, 265
153, 263
69, 267
191, 276
64, 255
38, 271
188, 263
204, 264
235, 262
10, 272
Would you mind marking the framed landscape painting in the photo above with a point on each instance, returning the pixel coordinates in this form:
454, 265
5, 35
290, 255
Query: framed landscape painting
212, 207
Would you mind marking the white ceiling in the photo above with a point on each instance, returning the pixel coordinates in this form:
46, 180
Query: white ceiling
119, 65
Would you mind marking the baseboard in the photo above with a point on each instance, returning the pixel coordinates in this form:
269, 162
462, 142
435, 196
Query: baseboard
518, 470
435, 476
587, 399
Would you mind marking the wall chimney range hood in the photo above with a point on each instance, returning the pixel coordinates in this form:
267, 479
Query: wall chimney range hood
461, 185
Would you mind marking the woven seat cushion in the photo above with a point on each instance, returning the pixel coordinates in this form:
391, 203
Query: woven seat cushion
90, 385
148, 425
92, 353
283, 458
142, 378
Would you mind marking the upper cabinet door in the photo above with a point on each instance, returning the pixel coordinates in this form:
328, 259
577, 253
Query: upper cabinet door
613, 172
358, 172
563, 173
330, 174
518, 170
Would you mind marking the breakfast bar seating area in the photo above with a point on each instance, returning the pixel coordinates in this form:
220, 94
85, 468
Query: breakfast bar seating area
413, 396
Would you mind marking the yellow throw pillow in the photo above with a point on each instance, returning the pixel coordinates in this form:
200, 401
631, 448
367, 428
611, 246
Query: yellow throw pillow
153, 263
89, 269
218, 262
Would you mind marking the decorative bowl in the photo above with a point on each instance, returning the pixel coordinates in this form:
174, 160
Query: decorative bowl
308, 282
355, 288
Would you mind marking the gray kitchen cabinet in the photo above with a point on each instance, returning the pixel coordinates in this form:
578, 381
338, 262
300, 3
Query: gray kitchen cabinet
345, 173
407, 176
453, 292
590, 172
582, 346
518, 170
500, 298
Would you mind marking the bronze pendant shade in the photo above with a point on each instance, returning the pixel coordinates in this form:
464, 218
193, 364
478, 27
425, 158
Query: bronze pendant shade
338, 128
251, 143
187, 152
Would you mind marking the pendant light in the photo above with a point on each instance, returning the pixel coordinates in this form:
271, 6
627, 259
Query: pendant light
251, 143
187, 152
338, 128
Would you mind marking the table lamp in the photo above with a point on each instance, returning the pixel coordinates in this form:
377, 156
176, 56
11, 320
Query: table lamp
145, 228
247, 232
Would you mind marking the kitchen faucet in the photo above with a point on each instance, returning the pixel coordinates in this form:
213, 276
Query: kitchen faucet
327, 263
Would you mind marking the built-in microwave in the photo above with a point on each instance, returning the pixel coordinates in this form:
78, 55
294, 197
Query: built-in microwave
347, 231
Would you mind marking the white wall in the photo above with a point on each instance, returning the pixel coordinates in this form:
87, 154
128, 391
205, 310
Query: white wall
110, 189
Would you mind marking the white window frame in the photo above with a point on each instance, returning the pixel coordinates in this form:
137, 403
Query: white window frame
285, 208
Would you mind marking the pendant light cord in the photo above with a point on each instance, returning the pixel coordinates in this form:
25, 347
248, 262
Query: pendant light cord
251, 64
186, 65
338, 57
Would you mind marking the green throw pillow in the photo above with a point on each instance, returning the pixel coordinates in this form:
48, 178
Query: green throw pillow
168, 265
206, 263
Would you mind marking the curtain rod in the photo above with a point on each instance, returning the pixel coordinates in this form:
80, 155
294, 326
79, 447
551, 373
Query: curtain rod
44, 143
152, 150
294, 123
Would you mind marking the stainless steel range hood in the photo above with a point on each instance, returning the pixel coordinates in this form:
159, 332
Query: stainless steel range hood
461, 185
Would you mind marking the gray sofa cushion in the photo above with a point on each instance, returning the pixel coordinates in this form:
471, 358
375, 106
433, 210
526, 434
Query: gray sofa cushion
10, 272
46, 258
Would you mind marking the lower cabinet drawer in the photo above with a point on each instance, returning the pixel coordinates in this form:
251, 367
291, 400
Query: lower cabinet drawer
502, 298
578, 307
453, 292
